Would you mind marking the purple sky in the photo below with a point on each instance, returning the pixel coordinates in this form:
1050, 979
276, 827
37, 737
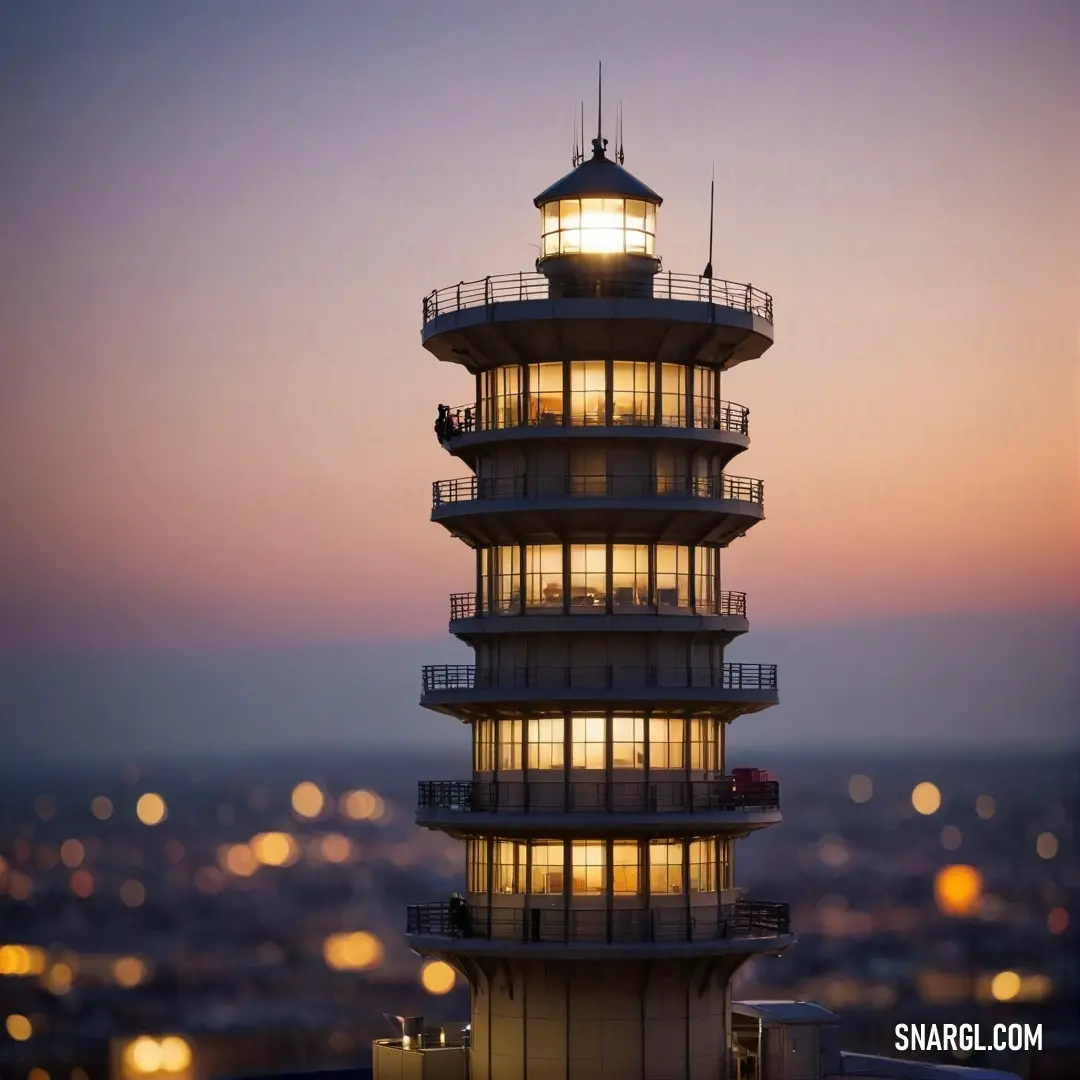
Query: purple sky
217, 221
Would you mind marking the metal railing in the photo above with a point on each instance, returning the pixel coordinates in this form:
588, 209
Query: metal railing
632, 796
596, 486
599, 677
528, 285
461, 420
744, 918
733, 604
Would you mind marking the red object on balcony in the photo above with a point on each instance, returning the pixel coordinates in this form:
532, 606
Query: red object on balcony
748, 777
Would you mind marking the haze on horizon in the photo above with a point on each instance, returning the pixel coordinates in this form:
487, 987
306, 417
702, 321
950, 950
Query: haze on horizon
218, 221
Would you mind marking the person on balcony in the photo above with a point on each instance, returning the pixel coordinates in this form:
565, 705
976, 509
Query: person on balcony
460, 917
441, 423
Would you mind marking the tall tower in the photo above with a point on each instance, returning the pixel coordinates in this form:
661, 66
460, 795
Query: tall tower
602, 921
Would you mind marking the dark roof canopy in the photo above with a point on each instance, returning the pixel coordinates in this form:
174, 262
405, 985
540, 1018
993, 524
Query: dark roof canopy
598, 176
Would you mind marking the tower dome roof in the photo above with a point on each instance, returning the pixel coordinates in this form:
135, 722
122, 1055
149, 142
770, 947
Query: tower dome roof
598, 176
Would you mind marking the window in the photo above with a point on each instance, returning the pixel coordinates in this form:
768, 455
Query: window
706, 580
545, 393
598, 226
628, 742
625, 868
588, 472
672, 576
500, 584
589, 867
629, 575
673, 395
703, 744
666, 745
704, 397
546, 742
588, 738
588, 393
501, 403
476, 864
703, 865
547, 867
484, 745
670, 474
632, 390
725, 849
665, 866
588, 576
508, 866
544, 576
509, 745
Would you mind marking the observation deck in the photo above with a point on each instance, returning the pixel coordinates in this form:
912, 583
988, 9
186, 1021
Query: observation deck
634, 807
527, 318
728, 691
663, 509
653, 932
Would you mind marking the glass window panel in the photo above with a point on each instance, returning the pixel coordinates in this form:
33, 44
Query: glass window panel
545, 394
504, 866
666, 742
569, 214
588, 740
703, 744
476, 869
484, 745
588, 472
672, 576
588, 575
724, 850
602, 225
547, 867
702, 857
630, 575
636, 242
706, 580
635, 214
588, 393
544, 576
625, 868
589, 861
673, 390
650, 218
551, 217
551, 244
704, 397
628, 742
632, 392
546, 742
570, 241
509, 745
665, 867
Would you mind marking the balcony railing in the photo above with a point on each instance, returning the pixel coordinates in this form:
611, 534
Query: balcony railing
466, 419
742, 919
730, 604
596, 486
546, 797
599, 677
526, 285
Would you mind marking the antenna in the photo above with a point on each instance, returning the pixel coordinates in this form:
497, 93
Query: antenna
577, 155
599, 101
712, 210
620, 155
582, 129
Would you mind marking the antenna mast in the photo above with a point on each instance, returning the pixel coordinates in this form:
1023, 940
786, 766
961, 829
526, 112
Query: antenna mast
620, 154
599, 103
712, 210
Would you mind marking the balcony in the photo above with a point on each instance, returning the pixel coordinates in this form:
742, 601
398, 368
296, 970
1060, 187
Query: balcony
509, 417
460, 924
729, 691
524, 286
607, 486
728, 605
591, 796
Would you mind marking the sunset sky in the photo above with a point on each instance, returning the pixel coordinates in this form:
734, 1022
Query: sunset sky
217, 221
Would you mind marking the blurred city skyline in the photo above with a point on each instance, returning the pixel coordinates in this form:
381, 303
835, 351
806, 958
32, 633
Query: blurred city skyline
216, 416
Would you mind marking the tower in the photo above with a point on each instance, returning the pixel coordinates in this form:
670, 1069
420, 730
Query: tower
602, 921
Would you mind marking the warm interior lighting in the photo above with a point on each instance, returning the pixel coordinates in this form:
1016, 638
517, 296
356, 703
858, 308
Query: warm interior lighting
308, 800
598, 226
958, 890
151, 809
143, 1055
437, 977
926, 798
